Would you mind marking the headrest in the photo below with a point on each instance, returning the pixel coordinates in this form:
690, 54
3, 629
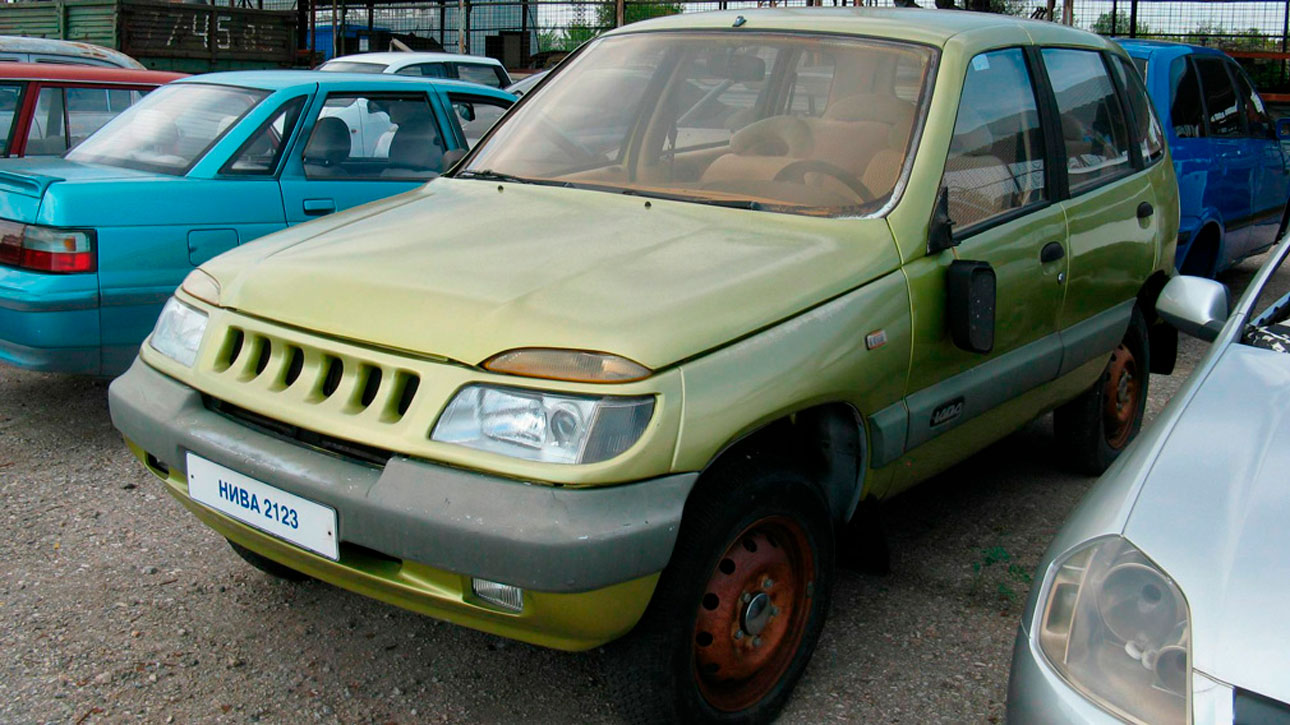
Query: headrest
329, 143
774, 136
883, 108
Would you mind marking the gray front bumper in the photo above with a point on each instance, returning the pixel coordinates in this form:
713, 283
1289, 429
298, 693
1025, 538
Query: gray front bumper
537, 537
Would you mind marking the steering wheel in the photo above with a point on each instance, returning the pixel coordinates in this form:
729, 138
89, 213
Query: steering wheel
568, 144
798, 170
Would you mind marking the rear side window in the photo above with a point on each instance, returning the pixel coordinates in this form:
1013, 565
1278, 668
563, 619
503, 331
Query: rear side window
1149, 135
1256, 116
47, 135
1187, 112
996, 159
1092, 122
375, 137
484, 74
10, 95
427, 70
1221, 101
260, 154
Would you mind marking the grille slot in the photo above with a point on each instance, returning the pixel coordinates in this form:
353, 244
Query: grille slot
330, 444
336, 380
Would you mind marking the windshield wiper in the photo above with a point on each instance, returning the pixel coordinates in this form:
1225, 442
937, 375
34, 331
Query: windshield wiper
728, 203
490, 175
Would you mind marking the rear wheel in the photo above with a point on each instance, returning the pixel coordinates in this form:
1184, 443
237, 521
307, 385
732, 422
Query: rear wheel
267, 565
1095, 427
739, 610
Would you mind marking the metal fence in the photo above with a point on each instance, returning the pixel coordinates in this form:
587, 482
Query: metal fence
530, 33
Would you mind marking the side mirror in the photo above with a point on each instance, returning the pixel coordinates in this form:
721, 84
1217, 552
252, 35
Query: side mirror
1283, 129
1194, 305
969, 298
465, 110
940, 234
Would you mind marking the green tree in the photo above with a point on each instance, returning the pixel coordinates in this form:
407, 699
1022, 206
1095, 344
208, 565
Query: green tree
1102, 26
578, 33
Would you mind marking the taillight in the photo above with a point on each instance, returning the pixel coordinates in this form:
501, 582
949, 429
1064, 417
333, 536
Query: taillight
46, 249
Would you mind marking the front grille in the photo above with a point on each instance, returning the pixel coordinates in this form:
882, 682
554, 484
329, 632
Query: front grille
316, 377
330, 444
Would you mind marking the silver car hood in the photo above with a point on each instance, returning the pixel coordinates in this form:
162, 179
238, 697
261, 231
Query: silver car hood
1214, 513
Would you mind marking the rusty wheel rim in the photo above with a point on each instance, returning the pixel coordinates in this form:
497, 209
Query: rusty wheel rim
753, 613
1120, 397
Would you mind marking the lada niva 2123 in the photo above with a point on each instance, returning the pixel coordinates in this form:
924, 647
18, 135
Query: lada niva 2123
629, 370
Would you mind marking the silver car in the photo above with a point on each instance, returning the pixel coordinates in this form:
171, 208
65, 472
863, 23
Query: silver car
1163, 598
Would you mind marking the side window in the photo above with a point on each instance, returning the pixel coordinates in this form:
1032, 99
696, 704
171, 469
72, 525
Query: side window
478, 74
1256, 116
1092, 122
259, 155
1149, 136
1221, 101
476, 115
47, 135
996, 158
382, 136
428, 70
10, 96
1187, 112
812, 83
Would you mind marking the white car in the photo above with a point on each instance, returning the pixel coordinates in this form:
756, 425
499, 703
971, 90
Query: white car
17, 49
472, 68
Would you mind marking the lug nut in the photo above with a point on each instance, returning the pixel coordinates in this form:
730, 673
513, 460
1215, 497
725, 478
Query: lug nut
747, 597
767, 584
739, 634
756, 641
774, 610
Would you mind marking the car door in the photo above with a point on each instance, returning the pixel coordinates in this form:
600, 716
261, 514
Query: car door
1268, 164
1113, 212
1234, 189
1191, 149
474, 114
1004, 208
328, 171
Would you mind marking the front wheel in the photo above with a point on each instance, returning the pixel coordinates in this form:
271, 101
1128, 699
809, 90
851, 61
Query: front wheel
1097, 426
740, 608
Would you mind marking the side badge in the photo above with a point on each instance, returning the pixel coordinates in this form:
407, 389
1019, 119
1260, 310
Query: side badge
875, 339
947, 412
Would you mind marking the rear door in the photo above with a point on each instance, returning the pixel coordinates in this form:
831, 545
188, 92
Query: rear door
1268, 166
1113, 212
363, 145
1233, 182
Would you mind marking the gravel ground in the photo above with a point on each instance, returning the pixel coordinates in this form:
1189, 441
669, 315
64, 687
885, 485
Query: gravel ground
117, 605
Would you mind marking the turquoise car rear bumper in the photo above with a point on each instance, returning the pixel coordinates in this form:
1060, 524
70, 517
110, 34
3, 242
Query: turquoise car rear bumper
49, 322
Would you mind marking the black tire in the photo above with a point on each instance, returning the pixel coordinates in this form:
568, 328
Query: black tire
266, 565
752, 527
1094, 428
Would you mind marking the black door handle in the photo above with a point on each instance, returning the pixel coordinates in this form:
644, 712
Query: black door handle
1145, 210
1051, 252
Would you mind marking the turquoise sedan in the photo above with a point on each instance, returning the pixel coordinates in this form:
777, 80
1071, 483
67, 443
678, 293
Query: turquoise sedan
93, 243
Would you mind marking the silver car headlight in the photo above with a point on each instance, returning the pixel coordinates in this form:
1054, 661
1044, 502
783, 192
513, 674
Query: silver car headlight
541, 426
179, 332
1118, 630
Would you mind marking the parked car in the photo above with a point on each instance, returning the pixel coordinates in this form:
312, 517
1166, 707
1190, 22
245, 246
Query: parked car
472, 68
46, 109
18, 49
573, 390
1233, 176
1161, 600
526, 83
95, 242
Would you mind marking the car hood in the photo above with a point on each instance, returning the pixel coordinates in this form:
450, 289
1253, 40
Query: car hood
1213, 511
466, 269
23, 182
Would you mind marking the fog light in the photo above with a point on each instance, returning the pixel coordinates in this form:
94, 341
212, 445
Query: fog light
504, 596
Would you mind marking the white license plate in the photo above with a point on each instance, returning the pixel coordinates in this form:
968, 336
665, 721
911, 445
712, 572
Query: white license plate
285, 515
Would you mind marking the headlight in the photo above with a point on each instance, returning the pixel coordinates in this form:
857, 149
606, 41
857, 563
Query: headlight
540, 426
179, 332
1117, 629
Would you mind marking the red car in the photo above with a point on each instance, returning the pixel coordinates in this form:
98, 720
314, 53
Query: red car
46, 109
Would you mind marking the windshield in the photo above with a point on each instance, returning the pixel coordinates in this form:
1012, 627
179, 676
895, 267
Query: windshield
170, 129
792, 123
345, 66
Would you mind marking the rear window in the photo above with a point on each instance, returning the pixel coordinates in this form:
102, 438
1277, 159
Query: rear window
345, 66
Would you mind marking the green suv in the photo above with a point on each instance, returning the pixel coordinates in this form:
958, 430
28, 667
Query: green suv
632, 366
